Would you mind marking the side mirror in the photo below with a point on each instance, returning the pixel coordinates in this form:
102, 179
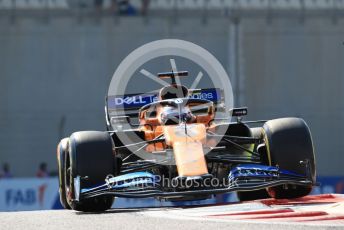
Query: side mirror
238, 112
120, 122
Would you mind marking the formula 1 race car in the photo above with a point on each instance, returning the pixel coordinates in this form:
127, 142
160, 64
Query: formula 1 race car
178, 150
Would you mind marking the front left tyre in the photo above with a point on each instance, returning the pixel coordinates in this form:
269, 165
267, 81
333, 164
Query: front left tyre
289, 145
90, 157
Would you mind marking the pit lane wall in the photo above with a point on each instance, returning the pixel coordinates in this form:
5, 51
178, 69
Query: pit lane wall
24, 194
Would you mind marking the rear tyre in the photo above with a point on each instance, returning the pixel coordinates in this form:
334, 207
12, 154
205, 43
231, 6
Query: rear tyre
62, 151
288, 141
90, 156
257, 194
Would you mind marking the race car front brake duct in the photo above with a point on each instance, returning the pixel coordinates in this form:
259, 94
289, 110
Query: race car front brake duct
245, 177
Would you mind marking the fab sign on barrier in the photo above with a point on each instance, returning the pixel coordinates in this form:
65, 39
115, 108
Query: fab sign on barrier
28, 194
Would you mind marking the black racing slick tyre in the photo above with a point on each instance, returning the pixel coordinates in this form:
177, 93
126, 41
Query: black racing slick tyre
91, 158
257, 194
62, 151
288, 142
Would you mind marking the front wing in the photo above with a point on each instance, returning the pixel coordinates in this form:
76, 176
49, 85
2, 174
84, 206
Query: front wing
245, 177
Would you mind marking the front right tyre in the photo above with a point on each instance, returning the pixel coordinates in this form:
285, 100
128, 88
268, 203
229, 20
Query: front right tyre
62, 151
90, 156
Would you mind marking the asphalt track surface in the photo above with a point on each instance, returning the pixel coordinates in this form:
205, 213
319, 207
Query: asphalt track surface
129, 219
312, 212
